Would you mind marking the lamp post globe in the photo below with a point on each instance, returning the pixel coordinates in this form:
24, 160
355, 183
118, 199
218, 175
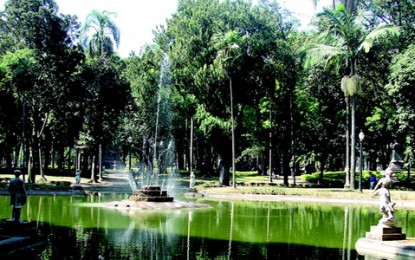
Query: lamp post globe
361, 136
130, 140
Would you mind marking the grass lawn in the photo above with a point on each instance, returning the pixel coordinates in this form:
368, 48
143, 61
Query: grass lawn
246, 184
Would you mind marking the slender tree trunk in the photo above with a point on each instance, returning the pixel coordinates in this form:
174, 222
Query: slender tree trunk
47, 155
353, 145
191, 147
270, 146
233, 133
293, 169
19, 157
70, 158
286, 165
184, 149
78, 159
36, 158
93, 170
347, 166
42, 173
100, 162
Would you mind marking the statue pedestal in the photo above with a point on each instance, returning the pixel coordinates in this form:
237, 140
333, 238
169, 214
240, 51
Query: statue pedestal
385, 233
151, 194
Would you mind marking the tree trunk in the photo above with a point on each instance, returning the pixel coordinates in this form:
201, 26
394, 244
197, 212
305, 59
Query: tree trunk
99, 162
270, 146
233, 134
41, 172
223, 173
286, 166
93, 179
347, 166
19, 152
47, 155
353, 145
35, 156
191, 146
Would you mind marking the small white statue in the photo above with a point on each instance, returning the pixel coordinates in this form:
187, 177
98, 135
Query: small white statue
386, 206
78, 177
192, 180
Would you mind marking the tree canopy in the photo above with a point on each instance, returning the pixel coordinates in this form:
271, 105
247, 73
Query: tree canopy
233, 73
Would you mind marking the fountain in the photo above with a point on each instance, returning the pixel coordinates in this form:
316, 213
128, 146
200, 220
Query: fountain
151, 194
151, 191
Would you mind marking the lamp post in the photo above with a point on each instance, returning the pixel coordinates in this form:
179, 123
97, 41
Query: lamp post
361, 137
130, 140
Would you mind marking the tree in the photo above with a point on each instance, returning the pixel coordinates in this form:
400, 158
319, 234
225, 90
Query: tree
99, 34
402, 79
36, 25
320, 120
106, 99
228, 52
263, 58
340, 47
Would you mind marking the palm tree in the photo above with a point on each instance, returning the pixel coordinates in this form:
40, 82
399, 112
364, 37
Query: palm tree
228, 52
340, 47
99, 34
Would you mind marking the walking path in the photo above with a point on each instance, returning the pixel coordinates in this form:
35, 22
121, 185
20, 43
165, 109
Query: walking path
118, 182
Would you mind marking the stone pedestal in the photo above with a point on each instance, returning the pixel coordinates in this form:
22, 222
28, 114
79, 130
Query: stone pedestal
151, 194
377, 249
19, 238
385, 233
192, 190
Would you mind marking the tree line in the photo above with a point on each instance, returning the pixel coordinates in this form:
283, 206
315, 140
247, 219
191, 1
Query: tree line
236, 81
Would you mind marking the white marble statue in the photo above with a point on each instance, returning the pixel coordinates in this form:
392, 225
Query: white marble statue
386, 206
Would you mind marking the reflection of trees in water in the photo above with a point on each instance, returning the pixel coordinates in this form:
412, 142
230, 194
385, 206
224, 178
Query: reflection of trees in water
145, 238
247, 229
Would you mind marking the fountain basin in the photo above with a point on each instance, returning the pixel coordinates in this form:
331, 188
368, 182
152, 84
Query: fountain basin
151, 194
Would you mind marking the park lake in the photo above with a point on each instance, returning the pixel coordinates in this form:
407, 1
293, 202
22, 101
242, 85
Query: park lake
77, 227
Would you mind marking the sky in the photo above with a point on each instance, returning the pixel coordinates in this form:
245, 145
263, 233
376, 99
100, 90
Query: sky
137, 19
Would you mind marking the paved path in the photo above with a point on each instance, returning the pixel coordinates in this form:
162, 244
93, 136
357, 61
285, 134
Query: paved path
119, 182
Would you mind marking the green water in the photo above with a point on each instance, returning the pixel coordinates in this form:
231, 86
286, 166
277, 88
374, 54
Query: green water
78, 228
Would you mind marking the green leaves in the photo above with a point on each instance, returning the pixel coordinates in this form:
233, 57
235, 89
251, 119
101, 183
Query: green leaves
208, 122
383, 32
17, 67
401, 88
99, 34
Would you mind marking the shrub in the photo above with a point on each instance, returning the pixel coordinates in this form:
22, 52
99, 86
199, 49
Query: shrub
337, 179
246, 173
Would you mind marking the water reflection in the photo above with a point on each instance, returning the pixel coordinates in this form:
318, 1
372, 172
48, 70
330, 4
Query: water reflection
77, 227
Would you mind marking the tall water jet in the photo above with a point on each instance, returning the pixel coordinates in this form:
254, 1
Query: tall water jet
153, 187
163, 94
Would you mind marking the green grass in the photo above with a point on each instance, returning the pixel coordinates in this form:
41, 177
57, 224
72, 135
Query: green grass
246, 183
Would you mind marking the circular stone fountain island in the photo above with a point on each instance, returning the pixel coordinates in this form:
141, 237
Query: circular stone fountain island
152, 197
151, 194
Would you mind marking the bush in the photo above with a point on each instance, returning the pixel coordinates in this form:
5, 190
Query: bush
246, 173
337, 179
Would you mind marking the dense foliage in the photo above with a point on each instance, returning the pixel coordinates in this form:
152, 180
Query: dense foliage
227, 78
